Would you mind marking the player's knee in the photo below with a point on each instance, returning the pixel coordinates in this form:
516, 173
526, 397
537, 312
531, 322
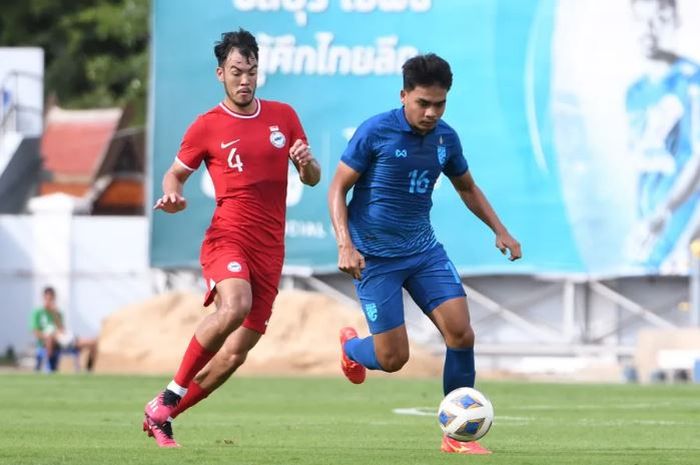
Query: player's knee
394, 361
237, 302
230, 319
235, 360
233, 311
461, 339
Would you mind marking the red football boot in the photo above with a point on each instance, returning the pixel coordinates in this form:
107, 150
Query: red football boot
163, 433
161, 407
454, 446
353, 371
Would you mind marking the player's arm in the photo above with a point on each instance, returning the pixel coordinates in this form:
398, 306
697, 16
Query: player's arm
477, 203
349, 259
305, 163
174, 179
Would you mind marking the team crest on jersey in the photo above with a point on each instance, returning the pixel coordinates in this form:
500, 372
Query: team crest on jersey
234, 267
277, 139
442, 154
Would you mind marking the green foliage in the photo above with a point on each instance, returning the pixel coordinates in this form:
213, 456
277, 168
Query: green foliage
96, 51
95, 419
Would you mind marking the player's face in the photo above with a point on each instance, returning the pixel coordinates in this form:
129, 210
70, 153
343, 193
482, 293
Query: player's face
656, 21
424, 106
240, 78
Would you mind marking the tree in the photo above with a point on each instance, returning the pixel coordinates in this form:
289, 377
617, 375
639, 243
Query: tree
96, 51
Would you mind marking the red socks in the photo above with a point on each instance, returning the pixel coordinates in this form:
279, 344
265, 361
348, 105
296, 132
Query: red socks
195, 393
195, 358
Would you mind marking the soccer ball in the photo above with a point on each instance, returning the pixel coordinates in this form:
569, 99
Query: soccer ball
465, 414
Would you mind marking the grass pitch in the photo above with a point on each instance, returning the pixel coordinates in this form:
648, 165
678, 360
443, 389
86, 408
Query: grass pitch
82, 419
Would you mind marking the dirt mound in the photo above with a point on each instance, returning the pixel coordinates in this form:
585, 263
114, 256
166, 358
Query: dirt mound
302, 338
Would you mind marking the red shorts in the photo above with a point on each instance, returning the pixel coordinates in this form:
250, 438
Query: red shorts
224, 259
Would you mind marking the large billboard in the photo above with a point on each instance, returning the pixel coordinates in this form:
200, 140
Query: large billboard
578, 119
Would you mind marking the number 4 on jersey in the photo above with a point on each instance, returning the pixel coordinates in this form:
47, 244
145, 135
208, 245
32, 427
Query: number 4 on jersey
239, 164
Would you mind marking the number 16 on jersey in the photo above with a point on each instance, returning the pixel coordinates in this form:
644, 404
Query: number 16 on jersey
417, 183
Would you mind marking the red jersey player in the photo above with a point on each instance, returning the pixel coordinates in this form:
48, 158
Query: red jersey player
245, 143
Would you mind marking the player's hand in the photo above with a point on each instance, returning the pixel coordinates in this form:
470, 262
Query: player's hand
300, 153
171, 203
507, 243
351, 261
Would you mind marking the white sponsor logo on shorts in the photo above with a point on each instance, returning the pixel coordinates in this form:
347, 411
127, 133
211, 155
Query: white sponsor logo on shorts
234, 267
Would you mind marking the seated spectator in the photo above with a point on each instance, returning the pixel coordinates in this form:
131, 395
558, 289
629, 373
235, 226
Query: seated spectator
53, 337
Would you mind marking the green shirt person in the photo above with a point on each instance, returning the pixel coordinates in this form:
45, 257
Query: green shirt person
48, 326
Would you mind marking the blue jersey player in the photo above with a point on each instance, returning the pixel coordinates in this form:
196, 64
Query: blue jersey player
385, 239
663, 107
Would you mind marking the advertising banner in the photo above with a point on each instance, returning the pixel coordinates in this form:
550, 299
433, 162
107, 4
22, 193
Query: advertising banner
578, 120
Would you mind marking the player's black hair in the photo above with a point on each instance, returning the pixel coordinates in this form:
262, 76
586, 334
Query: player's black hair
50, 290
426, 70
241, 39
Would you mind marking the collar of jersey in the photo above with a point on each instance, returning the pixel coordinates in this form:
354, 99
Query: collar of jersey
238, 115
403, 123
405, 127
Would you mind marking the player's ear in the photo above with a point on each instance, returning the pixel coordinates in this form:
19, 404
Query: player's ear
403, 97
220, 73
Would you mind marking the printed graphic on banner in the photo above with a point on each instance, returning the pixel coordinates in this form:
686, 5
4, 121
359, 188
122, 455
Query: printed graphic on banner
583, 133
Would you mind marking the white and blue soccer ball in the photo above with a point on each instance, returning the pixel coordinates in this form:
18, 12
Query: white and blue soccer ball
465, 414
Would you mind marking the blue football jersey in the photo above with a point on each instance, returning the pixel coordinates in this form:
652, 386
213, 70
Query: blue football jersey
661, 120
389, 213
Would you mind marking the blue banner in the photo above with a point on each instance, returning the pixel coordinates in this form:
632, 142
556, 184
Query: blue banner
553, 120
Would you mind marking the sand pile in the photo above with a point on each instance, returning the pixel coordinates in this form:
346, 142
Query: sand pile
302, 337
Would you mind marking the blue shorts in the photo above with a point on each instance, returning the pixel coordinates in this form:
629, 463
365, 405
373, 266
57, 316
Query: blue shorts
429, 277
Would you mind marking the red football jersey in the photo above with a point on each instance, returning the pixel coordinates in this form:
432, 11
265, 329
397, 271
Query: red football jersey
247, 157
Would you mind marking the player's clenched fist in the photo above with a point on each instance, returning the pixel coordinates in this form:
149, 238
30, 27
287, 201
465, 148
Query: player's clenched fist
351, 261
300, 153
171, 203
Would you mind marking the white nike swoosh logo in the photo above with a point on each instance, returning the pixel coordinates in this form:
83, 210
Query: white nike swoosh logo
229, 144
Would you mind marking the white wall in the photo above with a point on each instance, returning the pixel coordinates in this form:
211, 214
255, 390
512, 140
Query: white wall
97, 264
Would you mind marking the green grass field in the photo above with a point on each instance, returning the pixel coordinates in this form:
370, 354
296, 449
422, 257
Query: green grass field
79, 419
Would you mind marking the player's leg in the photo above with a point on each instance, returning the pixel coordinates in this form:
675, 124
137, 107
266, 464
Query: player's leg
437, 289
235, 302
226, 361
264, 278
235, 297
452, 320
381, 298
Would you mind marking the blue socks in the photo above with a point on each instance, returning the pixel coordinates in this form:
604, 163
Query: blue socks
459, 369
459, 363
362, 351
